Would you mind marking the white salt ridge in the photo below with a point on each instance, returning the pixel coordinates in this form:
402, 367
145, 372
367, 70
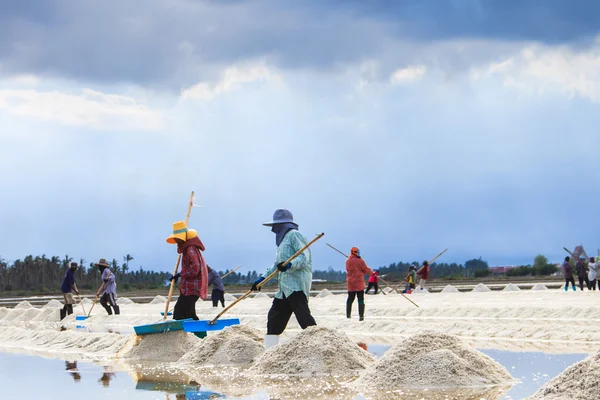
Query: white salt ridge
12, 315
261, 296
324, 293
580, 381
450, 289
24, 305
432, 360
87, 302
539, 286
55, 304
163, 347
481, 288
511, 288
124, 301
234, 345
314, 351
230, 297
159, 300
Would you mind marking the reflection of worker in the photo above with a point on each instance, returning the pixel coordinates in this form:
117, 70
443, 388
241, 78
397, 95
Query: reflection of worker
71, 366
106, 377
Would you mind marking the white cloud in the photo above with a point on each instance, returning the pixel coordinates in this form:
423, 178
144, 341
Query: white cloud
545, 69
233, 79
405, 75
90, 109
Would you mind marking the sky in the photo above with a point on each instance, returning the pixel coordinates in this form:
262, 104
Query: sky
403, 128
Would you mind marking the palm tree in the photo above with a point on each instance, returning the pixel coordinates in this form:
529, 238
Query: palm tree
127, 258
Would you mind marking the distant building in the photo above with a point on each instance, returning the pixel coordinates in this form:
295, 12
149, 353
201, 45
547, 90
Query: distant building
501, 270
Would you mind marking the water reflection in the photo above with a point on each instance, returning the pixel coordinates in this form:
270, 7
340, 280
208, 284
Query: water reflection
71, 366
106, 377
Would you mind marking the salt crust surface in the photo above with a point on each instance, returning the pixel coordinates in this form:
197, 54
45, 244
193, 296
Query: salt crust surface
24, 305
164, 347
123, 301
234, 345
261, 296
450, 289
481, 288
580, 381
511, 288
324, 293
159, 300
430, 360
539, 286
230, 297
314, 351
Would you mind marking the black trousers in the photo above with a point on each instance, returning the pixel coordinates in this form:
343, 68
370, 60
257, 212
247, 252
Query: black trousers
282, 309
567, 280
582, 279
107, 300
593, 285
216, 296
372, 285
186, 307
351, 295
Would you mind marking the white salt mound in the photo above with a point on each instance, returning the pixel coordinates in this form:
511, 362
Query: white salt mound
53, 304
314, 351
432, 359
125, 301
159, 300
24, 305
511, 288
324, 293
230, 297
481, 288
261, 296
450, 289
237, 344
579, 381
539, 286
87, 302
165, 346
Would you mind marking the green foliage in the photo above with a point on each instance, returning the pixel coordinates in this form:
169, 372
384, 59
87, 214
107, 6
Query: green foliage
482, 272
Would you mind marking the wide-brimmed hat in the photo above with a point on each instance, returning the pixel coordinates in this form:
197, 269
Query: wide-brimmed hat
280, 216
180, 231
102, 263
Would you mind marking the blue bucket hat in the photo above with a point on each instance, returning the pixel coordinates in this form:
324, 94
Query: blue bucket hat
280, 216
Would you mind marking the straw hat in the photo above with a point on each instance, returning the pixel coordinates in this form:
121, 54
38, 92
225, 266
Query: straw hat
180, 231
102, 263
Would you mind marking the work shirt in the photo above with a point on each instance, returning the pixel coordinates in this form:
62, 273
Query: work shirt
68, 281
593, 272
194, 274
567, 270
299, 277
356, 268
424, 272
374, 278
215, 279
110, 286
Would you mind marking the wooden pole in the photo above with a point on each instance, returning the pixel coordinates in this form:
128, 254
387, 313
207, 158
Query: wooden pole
187, 218
231, 272
268, 278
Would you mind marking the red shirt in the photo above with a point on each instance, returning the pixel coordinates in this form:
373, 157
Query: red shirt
356, 268
194, 274
424, 272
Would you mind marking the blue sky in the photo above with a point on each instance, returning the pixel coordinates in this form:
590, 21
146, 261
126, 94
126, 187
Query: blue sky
400, 127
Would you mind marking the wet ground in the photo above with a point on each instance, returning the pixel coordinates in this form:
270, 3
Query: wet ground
30, 377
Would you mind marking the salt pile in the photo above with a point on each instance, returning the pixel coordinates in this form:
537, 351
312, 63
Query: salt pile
450, 289
261, 296
86, 302
236, 344
24, 305
432, 359
481, 288
511, 288
314, 351
579, 381
230, 297
539, 286
166, 346
324, 293
124, 301
53, 304
387, 289
159, 300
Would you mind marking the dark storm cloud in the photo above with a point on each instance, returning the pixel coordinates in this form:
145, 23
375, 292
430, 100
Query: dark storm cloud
177, 43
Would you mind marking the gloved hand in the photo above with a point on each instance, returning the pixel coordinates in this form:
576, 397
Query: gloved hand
175, 277
105, 280
283, 268
255, 284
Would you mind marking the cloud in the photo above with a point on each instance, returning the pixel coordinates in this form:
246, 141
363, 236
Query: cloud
406, 75
91, 109
539, 69
233, 79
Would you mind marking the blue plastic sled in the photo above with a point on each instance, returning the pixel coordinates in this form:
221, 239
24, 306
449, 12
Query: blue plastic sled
163, 313
203, 395
203, 326
81, 317
159, 327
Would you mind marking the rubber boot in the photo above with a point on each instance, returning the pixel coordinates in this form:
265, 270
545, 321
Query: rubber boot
574, 289
69, 309
348, 310
117, 310
271, 340
63, 313
361, 312
566, 287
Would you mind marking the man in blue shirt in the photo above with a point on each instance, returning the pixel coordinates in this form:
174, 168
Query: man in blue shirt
67, 288
294, 278
218, 292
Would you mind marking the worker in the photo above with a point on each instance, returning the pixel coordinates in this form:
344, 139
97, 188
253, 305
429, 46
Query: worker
373, 282
67, 288
294, 278
410, 280
194, 272
582, 273
218, 292
568, 273
423, 274
356, 268
108, 292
